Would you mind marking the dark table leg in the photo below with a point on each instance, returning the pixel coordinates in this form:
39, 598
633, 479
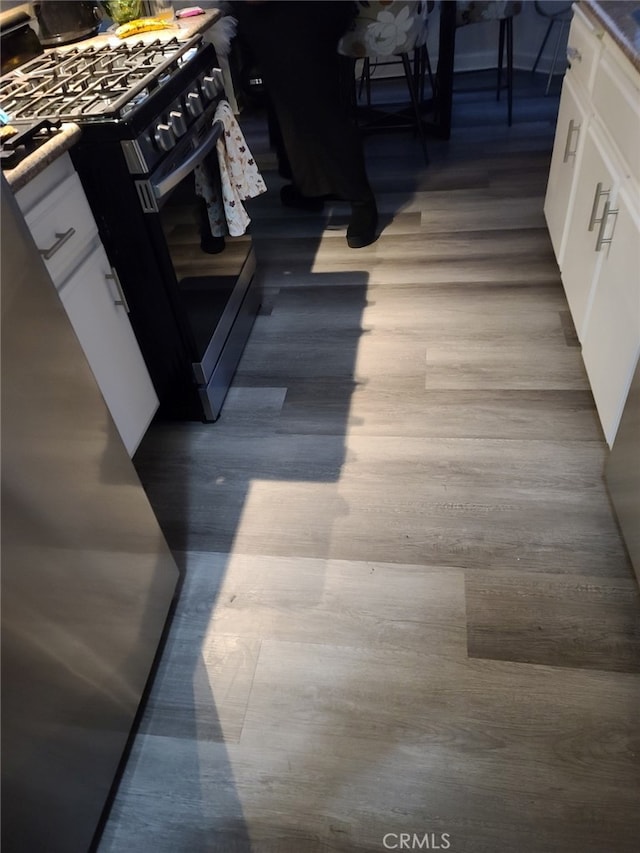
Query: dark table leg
440, 125
444, 73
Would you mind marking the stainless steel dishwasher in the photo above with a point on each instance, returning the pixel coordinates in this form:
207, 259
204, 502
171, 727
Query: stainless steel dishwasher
88, 581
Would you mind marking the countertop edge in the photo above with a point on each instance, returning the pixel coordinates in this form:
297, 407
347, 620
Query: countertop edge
615, 18
37, 162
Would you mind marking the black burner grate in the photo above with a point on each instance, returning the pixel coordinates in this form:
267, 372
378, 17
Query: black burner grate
92, 83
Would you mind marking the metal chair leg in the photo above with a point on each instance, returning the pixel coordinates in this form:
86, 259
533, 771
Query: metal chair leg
425, 66
542, 46
500, 57
506, 35
414, 102
563, 25
509, 23
365, 80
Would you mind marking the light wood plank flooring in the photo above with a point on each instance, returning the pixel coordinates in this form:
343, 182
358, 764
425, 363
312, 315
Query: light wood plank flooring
407, 611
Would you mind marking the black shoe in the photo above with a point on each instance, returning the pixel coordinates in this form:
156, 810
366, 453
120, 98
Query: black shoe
212, 245
290, 196
362, 227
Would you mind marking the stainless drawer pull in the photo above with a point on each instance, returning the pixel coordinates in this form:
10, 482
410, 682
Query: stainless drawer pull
573, 53
47, 254
593, 220
113, 275
573, 128
602, 240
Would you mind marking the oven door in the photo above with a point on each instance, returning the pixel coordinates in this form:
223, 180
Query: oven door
214, 297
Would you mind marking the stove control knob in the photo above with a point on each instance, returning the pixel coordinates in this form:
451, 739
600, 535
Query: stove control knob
193, 104
178, 123
211, 85
165, 137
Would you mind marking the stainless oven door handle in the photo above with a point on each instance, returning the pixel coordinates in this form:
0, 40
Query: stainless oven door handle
166, 184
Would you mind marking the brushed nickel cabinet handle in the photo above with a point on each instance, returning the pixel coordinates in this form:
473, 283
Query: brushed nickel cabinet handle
593, 220
573, 53
573, 128
113, 275
606, 213
47, 254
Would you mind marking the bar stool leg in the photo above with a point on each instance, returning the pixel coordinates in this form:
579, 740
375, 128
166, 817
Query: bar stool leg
500, 57
509, 23
563, 25
542, 46
414, 102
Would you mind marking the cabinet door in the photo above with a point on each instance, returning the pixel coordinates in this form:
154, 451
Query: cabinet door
94, 305
612, 334
565, 161
595, 183
616, 100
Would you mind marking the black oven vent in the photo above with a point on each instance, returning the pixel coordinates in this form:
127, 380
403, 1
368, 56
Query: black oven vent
148, 200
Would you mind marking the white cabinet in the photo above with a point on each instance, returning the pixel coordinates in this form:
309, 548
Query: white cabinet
611, 342
592, 208
95, 306
581, 250
583, 51
62, 224
571, 131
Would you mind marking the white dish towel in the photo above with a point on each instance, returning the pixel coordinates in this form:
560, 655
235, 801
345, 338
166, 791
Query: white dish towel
240, 178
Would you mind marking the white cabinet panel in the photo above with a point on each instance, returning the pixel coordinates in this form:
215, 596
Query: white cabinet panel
62, 226
91, 299
592, 211
580, 261
616, 100
44, 183
61, 221
571, 131
583, 49
612, 336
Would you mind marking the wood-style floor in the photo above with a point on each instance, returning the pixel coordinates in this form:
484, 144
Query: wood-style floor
408, 619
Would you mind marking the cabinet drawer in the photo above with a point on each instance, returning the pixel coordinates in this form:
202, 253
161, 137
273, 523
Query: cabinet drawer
583, 49
44, 184
62, 226
616, 100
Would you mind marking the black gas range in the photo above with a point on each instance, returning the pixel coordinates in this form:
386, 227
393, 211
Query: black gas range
117, 91
147, 110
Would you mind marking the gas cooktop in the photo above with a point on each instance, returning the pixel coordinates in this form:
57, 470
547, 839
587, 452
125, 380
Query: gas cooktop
92, 83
